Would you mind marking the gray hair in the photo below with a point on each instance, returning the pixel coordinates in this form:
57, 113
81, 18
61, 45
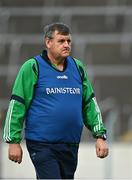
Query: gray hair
62, 28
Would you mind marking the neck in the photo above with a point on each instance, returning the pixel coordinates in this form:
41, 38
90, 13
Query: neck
56, 61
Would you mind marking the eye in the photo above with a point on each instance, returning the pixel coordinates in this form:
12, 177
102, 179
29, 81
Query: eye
61, 40
69, 41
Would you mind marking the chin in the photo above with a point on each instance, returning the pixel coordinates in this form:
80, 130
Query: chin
66, 55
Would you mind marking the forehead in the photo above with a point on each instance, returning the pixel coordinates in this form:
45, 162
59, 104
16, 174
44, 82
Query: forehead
58, 35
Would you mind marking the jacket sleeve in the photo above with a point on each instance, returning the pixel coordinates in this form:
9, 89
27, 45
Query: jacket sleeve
21, 97
91, 113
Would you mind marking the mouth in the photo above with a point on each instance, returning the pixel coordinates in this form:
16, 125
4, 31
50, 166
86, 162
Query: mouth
66, 51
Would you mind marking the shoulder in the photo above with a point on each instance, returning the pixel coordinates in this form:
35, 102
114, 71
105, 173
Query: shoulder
79, 64
29, 65
81, 68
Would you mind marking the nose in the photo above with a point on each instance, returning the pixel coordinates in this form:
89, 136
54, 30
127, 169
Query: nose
67, 44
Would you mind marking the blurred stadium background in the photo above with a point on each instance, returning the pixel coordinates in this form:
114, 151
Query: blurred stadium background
102, 39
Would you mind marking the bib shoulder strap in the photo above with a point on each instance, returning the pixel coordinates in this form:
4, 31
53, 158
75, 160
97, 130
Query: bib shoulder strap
79, 68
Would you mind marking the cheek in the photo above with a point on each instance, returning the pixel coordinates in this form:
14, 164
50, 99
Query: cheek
56, 48
53, 48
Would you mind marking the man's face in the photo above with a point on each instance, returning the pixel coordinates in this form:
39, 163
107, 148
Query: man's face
59, 46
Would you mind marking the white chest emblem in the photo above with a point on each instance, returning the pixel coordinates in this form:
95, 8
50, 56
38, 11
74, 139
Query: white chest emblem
62, 77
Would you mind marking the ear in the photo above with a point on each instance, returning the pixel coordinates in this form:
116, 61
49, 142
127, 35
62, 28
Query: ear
47, 42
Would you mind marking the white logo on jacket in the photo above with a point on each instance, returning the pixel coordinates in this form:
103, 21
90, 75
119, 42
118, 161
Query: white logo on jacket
62, 77
64, 90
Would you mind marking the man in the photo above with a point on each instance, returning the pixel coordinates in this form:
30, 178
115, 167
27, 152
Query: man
54, 96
